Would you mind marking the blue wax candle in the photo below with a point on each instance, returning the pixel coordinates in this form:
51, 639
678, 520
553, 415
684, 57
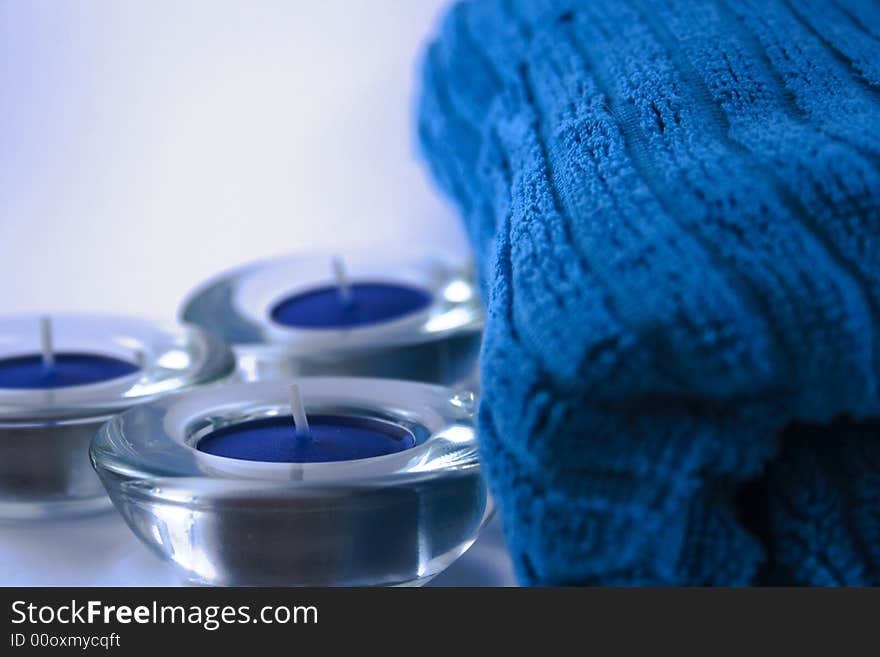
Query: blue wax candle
362, 305
68, 369
330, 438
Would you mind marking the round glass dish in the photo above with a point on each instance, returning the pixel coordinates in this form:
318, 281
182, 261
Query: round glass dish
397, 519
45, 432
438, 343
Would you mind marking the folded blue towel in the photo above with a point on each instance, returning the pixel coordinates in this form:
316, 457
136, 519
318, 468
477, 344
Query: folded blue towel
676, 210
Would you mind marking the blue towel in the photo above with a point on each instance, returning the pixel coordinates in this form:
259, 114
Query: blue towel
676, 211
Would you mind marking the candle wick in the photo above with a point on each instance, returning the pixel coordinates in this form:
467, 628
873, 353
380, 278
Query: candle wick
343, 285
300, 421
47, 352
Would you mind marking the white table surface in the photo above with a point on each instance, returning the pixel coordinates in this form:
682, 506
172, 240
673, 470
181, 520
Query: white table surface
147, 146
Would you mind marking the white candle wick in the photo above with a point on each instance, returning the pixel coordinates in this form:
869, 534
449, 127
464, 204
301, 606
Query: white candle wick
46, 350
300, 421
342, 282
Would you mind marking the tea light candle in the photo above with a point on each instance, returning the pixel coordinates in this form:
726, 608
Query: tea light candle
50, 370
296, 439
347, 304
393, 502
413, 317
52, 400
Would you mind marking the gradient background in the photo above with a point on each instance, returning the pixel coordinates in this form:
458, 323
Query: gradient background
146, 145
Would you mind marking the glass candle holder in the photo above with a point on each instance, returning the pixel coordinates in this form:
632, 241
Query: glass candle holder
415, 317
102, 365
396, 519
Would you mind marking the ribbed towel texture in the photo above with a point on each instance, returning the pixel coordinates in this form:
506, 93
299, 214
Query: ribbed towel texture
676, 210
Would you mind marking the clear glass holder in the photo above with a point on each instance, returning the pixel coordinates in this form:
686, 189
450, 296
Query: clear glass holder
45, 433
438, 344
398, 519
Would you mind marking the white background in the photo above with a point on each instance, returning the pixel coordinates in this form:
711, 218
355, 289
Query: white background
147, 144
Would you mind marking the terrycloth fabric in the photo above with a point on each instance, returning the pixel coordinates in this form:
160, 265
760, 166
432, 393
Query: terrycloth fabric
676, 208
